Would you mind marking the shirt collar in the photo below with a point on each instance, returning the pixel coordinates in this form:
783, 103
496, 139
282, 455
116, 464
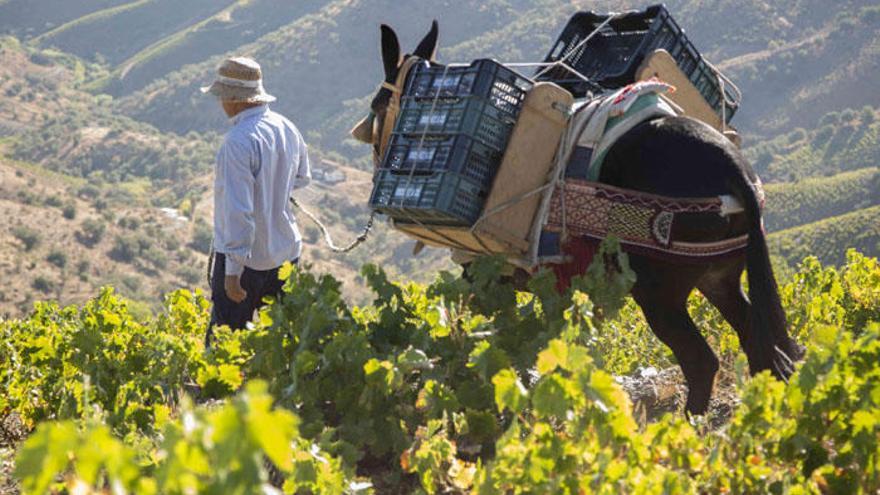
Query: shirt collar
250, 112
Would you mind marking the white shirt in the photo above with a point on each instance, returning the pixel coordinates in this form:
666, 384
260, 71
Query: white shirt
262, 160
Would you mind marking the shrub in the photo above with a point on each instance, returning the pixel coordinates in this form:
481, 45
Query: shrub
131, 282
130, 223
69, 211
92, 232
171, 243
28, 236
823, 136
190, 274
53, 201
57, 258
125, 249
155, 256
42, 284
867, 115
82, 270
831, 119
89, 191
202, 237
797, 135
26, 197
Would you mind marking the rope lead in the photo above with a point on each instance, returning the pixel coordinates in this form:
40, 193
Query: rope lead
326, 233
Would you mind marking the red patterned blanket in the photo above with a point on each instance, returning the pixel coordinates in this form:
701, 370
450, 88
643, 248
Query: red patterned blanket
582, 213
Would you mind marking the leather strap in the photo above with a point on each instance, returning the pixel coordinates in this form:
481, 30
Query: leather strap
394, 104
390, 87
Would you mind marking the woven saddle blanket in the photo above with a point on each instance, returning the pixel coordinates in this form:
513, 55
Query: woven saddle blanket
583, 210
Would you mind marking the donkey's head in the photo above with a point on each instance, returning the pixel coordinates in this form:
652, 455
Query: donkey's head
371, 129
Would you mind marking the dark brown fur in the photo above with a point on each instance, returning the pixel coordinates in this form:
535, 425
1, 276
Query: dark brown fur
681, 157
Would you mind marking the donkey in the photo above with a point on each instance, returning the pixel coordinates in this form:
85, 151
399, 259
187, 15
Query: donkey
683, 158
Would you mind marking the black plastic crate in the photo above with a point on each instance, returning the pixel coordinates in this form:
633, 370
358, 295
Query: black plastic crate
472, 116
441, 198
458, 153
502, 87
612, 56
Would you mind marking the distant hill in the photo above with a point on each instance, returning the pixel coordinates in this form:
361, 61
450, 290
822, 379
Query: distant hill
792, 62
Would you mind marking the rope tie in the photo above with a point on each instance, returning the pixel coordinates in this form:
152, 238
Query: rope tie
725, 82
562, 61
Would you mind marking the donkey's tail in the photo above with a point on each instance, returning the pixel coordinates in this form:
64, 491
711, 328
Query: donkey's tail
773, 347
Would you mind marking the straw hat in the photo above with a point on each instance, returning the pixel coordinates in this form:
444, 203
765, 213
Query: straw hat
239, 79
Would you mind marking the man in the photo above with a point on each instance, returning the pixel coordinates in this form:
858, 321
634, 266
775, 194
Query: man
262, 160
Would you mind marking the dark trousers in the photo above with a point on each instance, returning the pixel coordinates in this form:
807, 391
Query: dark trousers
257, 283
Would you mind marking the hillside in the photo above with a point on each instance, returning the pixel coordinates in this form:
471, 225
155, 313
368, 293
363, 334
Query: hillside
61, 239
859, 230
790, 204
793, 60
144, 191
128, 119
782, 75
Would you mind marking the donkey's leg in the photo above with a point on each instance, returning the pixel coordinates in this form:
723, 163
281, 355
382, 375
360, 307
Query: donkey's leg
723, 288
661, 291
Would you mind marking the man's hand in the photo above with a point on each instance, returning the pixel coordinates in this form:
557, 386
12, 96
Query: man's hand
234, 291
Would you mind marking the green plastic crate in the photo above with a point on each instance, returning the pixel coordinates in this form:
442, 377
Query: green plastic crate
439, 198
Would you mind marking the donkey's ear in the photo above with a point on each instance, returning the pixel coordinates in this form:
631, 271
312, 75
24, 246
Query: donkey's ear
427, 48
390, 52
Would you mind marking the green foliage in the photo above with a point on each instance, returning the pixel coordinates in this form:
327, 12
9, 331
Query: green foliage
94, 458
816, 434
42, 284
69, 211
217, 450
125, 248
57, 258
29, 237
60, 361
458, 386
842, 142
91, 233
202, 237
94, 143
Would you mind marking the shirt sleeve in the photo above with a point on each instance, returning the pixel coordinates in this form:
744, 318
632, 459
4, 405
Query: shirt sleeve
304, 168
236, 220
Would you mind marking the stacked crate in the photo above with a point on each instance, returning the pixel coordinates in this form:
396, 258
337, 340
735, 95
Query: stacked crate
611, 57
448, 141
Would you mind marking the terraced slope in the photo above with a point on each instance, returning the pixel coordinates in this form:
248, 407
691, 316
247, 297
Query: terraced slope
29, 18
811, 200
241, 23
828, 239
140, 24
839, 142
524, 30
314, 63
